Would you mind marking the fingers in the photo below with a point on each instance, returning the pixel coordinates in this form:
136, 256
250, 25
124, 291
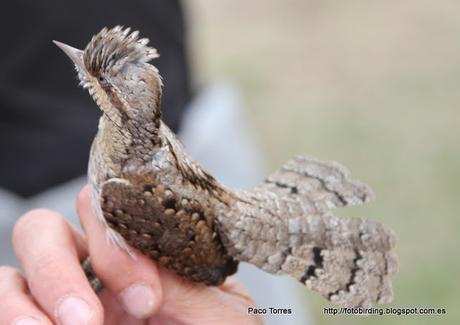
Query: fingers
226, 304
134, 281
50, 250
233, 287
17, 306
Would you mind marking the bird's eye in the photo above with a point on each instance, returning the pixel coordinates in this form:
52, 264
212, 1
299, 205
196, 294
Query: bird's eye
102, 81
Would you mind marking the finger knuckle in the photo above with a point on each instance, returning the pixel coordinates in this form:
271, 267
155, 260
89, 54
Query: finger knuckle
8, 276
83, 195
7, 271
46, 270
32, 220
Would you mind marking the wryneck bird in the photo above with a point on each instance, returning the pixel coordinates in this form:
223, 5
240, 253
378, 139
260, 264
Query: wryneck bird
153, 196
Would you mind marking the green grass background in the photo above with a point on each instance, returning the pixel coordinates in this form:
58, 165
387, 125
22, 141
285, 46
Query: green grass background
372, 84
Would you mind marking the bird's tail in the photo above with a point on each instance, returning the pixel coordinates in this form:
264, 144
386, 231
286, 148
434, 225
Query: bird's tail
284, 227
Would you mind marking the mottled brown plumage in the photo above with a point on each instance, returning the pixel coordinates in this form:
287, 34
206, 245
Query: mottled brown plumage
153, 196
177, 231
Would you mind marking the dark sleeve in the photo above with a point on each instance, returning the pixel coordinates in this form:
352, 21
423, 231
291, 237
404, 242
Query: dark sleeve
46, 121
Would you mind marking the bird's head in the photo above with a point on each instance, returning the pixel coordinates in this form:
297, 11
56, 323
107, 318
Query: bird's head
114, 68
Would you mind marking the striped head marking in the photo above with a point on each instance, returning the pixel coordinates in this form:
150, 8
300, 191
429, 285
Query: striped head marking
114, 68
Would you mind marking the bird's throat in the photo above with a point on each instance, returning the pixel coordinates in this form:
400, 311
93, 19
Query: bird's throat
130, 141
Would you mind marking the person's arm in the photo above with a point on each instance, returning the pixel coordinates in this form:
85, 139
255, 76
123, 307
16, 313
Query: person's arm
54, 289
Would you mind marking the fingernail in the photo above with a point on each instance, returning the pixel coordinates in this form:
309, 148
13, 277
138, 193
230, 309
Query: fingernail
73, 310
138, 300
26, 321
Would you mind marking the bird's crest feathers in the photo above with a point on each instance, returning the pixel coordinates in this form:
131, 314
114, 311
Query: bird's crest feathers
111, 49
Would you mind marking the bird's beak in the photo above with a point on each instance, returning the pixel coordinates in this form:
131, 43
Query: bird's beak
74, 54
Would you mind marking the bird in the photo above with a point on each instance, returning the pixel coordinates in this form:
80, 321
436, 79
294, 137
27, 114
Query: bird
151, 195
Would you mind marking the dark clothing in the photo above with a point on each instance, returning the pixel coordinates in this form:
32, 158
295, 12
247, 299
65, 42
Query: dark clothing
46, 121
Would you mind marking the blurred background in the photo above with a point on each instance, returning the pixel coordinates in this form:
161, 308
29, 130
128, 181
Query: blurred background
372, 84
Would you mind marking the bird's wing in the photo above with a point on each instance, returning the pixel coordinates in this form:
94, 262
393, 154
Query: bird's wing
284, 227
168, 227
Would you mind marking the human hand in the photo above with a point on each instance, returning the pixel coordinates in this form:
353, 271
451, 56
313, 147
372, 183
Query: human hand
54, 288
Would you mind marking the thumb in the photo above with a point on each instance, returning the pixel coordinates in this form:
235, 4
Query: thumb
188, 302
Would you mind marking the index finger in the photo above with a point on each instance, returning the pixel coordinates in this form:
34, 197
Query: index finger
49, 251
135, 281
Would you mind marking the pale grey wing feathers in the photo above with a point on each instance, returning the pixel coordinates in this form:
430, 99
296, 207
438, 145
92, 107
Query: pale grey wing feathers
283, 227
322, 185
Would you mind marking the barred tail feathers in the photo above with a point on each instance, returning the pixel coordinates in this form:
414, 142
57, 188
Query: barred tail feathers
284, 227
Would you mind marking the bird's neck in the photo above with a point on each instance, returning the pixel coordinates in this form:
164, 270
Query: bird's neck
132, 141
